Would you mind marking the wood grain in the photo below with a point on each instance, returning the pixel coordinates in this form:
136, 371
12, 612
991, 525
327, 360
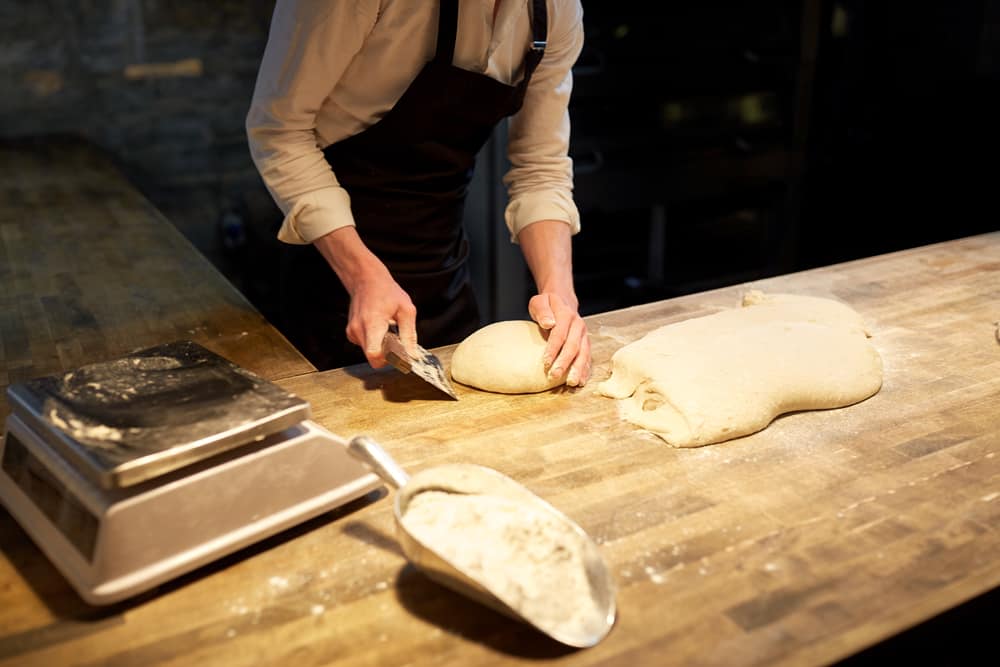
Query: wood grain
802, 544
90, 270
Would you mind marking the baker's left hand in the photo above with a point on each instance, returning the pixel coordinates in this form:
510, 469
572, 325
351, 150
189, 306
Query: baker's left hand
568, 350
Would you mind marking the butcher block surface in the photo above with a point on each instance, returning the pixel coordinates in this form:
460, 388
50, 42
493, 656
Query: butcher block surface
90, 270
805, 543
824, 533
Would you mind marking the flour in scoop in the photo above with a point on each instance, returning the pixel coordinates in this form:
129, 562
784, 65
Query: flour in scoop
526, 557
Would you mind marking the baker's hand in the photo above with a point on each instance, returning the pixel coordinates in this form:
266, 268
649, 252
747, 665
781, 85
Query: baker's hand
376, 298
567, 352
376, 303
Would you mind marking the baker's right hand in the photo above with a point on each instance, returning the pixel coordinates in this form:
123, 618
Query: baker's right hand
376, 303
376, 298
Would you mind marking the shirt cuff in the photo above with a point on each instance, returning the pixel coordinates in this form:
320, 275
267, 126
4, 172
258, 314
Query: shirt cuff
532, 207
316, 214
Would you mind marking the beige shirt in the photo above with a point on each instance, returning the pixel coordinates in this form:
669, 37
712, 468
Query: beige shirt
332, 68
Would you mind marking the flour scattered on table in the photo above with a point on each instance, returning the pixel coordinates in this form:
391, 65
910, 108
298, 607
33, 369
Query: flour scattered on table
614, 333
653, 575
526, 557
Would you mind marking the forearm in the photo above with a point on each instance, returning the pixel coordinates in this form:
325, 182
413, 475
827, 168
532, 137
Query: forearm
350, 258
547, 248
376, 298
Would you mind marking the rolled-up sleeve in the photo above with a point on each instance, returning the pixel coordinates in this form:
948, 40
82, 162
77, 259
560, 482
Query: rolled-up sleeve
540, 180
310, 44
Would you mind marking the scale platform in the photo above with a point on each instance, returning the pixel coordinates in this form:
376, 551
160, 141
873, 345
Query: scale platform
130, 472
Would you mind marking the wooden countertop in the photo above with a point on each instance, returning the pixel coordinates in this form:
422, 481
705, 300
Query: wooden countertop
802, 544
91, 270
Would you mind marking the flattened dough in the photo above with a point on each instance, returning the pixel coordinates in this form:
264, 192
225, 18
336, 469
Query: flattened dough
722, 376
503, 357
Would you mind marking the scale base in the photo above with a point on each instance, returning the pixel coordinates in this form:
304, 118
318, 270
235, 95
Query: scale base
114, 544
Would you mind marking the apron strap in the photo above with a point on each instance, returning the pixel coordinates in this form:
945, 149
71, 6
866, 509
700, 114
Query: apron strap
448, 31
539, 38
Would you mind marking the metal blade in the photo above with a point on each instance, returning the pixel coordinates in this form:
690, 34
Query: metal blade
426, 366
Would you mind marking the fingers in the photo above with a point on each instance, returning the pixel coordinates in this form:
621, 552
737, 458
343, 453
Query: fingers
569, 358
541, 311
579, 372
367, 333
372, 310
567, 352
374, 333
406, 321
559, 351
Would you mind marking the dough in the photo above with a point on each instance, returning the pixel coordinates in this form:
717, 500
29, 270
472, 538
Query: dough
503, 357
726, 375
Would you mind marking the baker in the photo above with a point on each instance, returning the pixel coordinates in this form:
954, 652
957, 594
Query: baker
365, 122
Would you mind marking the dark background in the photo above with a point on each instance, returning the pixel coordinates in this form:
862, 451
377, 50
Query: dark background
747, 139
714, 142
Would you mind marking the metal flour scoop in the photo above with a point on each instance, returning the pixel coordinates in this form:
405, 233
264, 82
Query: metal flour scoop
517, 555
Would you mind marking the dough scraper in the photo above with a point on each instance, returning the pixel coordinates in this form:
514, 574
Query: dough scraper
425, 366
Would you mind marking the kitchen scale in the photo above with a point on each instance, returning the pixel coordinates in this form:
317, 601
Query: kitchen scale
130, 472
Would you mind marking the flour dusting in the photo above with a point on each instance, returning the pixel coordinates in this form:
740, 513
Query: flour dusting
81, 431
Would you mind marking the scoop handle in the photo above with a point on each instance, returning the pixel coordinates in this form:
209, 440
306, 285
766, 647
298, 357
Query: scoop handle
371, 454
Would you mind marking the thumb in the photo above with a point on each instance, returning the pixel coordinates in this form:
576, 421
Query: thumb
541, 311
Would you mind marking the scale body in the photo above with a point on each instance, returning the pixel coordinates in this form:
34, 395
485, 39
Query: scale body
131, 472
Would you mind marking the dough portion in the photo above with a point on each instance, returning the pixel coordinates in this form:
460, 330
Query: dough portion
722, 376
503, 357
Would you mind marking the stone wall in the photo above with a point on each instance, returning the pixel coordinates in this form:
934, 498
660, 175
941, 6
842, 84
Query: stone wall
163, 86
